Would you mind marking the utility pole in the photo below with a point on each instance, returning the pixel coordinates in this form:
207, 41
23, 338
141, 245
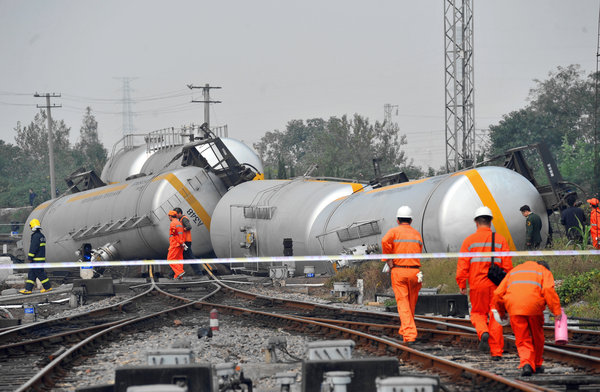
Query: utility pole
206, 94
596, 181
50, 137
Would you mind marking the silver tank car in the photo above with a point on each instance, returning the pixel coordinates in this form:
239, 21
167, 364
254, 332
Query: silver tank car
254, 218
130, 215
150, 158
127, 219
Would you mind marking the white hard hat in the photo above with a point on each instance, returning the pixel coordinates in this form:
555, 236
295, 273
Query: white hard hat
404, 212
483, 211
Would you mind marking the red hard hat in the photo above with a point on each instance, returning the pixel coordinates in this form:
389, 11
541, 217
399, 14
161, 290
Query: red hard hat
594, 202
172, 213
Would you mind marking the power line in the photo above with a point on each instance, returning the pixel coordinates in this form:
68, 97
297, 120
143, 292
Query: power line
157, 97
16, 104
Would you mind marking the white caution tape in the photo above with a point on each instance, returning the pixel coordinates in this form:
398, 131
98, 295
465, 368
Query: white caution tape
241, 260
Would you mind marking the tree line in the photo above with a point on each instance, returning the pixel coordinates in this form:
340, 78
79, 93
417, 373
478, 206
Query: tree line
337, 147
560, 112
25, 165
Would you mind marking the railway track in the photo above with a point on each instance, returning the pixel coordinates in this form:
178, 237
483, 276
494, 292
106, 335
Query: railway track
444, 348
38, 354
565, 367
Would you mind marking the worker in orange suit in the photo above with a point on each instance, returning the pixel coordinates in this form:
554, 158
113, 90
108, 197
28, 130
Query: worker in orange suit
176, 244
524, 294
481, 289
594, 222
405, 274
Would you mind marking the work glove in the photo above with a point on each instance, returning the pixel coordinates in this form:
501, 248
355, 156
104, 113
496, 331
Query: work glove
185, 247
501, 320
420, 276
558, 318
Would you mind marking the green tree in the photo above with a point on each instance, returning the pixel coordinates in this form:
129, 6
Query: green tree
339, 147
560, 113
26, 164
12, 162
92, 153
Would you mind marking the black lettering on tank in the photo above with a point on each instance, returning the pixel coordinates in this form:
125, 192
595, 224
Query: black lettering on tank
193, 217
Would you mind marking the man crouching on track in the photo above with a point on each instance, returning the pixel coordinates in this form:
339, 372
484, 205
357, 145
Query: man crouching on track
524, 293
176, 244
405, 274
481, 289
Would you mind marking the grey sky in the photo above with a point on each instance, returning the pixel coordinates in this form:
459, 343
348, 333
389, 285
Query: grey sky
277, 61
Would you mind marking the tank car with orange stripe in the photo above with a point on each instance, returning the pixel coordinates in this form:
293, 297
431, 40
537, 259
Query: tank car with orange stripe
321, 218
130, 214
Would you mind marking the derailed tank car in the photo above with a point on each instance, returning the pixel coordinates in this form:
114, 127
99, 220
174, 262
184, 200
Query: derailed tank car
129, 216
159, 149
324, 218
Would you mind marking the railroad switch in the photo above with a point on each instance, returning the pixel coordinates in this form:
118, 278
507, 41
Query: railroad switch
78, 297
408, 383
173, 356
336, 381
230, 379
330, 349
273, 344
285, 380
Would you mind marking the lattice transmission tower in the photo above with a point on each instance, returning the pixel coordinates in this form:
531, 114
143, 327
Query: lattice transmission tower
388, 110
459, 83
127, 112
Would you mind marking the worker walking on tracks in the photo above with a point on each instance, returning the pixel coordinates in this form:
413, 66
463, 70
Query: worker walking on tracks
187, 236
176, 245
533, 228
524, 294
594, 222
405, 274
481, 288
37, 254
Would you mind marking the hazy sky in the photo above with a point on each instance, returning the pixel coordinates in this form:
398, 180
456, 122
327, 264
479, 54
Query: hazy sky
277, 61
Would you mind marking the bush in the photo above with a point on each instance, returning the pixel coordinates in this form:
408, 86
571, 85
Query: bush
575, 287
375, 281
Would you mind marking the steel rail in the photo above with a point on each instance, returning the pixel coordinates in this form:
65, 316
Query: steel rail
574, 334
469, 335
377, 344
24, 329
581, 355
45, 377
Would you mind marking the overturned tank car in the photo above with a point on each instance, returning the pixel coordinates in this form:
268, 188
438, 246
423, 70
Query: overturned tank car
325, 218
127, 218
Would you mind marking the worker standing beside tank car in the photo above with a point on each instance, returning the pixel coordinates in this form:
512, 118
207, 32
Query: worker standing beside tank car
37, 254
533, 228
481, 288
187, 236
405, 274
524, 293
176, 245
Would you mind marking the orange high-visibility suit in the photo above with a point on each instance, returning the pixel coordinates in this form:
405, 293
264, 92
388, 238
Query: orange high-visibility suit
404, 239
594, 222
176, 242
524, 293
475, 269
